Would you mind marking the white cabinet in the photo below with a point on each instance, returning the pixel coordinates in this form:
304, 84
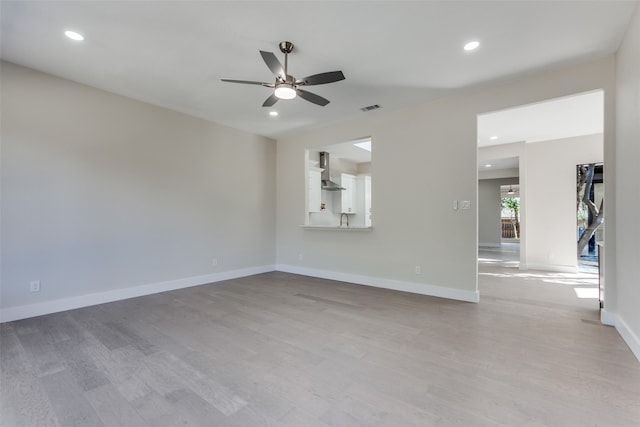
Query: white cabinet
348, 195
314, 190
363, 201
366, 184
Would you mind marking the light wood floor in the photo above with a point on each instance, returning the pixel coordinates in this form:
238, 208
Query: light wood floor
283, 350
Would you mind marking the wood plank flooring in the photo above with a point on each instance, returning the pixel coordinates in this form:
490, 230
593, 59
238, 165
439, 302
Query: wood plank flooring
278, 349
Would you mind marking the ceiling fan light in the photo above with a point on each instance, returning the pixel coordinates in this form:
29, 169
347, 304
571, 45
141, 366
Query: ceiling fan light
285, 91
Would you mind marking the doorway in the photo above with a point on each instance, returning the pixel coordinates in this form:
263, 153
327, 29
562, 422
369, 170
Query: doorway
549, 139
589, 214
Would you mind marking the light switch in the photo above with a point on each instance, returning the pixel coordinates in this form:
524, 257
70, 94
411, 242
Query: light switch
455, 205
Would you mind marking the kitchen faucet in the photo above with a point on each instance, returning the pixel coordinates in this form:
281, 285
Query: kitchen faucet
347, 216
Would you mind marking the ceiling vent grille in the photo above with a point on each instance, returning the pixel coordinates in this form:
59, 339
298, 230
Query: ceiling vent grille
370, 107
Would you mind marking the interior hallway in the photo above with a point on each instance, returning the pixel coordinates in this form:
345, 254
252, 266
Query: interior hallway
499, 276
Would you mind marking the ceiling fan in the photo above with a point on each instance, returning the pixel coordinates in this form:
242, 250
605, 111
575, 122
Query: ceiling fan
286, 86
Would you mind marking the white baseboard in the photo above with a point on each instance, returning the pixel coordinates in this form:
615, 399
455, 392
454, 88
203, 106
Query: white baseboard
488, 245
54, 306
632, 340
607, 318
629, 337
551, 267
398, 285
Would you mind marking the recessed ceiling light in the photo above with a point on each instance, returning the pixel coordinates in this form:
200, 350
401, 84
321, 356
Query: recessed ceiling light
472, 45
494, 137
273, 113
74, 35
487, 165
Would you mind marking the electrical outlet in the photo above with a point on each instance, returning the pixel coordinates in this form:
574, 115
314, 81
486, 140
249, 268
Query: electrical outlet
466, 204
214, 262
34, 286
418, 270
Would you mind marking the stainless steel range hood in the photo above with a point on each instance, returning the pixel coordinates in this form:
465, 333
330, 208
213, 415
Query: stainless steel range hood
327, 184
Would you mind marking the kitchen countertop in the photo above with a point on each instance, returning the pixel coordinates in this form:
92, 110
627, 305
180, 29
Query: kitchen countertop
335, 228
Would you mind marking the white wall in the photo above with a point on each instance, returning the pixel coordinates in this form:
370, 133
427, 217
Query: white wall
627, 244
424, 158
489, 211
488, 214
104, 197
551, 199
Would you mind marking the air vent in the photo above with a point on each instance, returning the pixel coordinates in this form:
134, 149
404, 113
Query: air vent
371, 107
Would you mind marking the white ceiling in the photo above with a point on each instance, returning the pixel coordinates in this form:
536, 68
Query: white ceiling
498, 164
553, 119
349, 151
566, 117
396, 54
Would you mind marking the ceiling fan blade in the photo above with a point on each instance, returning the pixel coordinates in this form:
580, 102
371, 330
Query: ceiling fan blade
274, 65
270, 101
248, 82
322, 78
312, 97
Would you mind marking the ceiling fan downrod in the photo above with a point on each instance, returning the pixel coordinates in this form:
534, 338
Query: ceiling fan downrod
286, 48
